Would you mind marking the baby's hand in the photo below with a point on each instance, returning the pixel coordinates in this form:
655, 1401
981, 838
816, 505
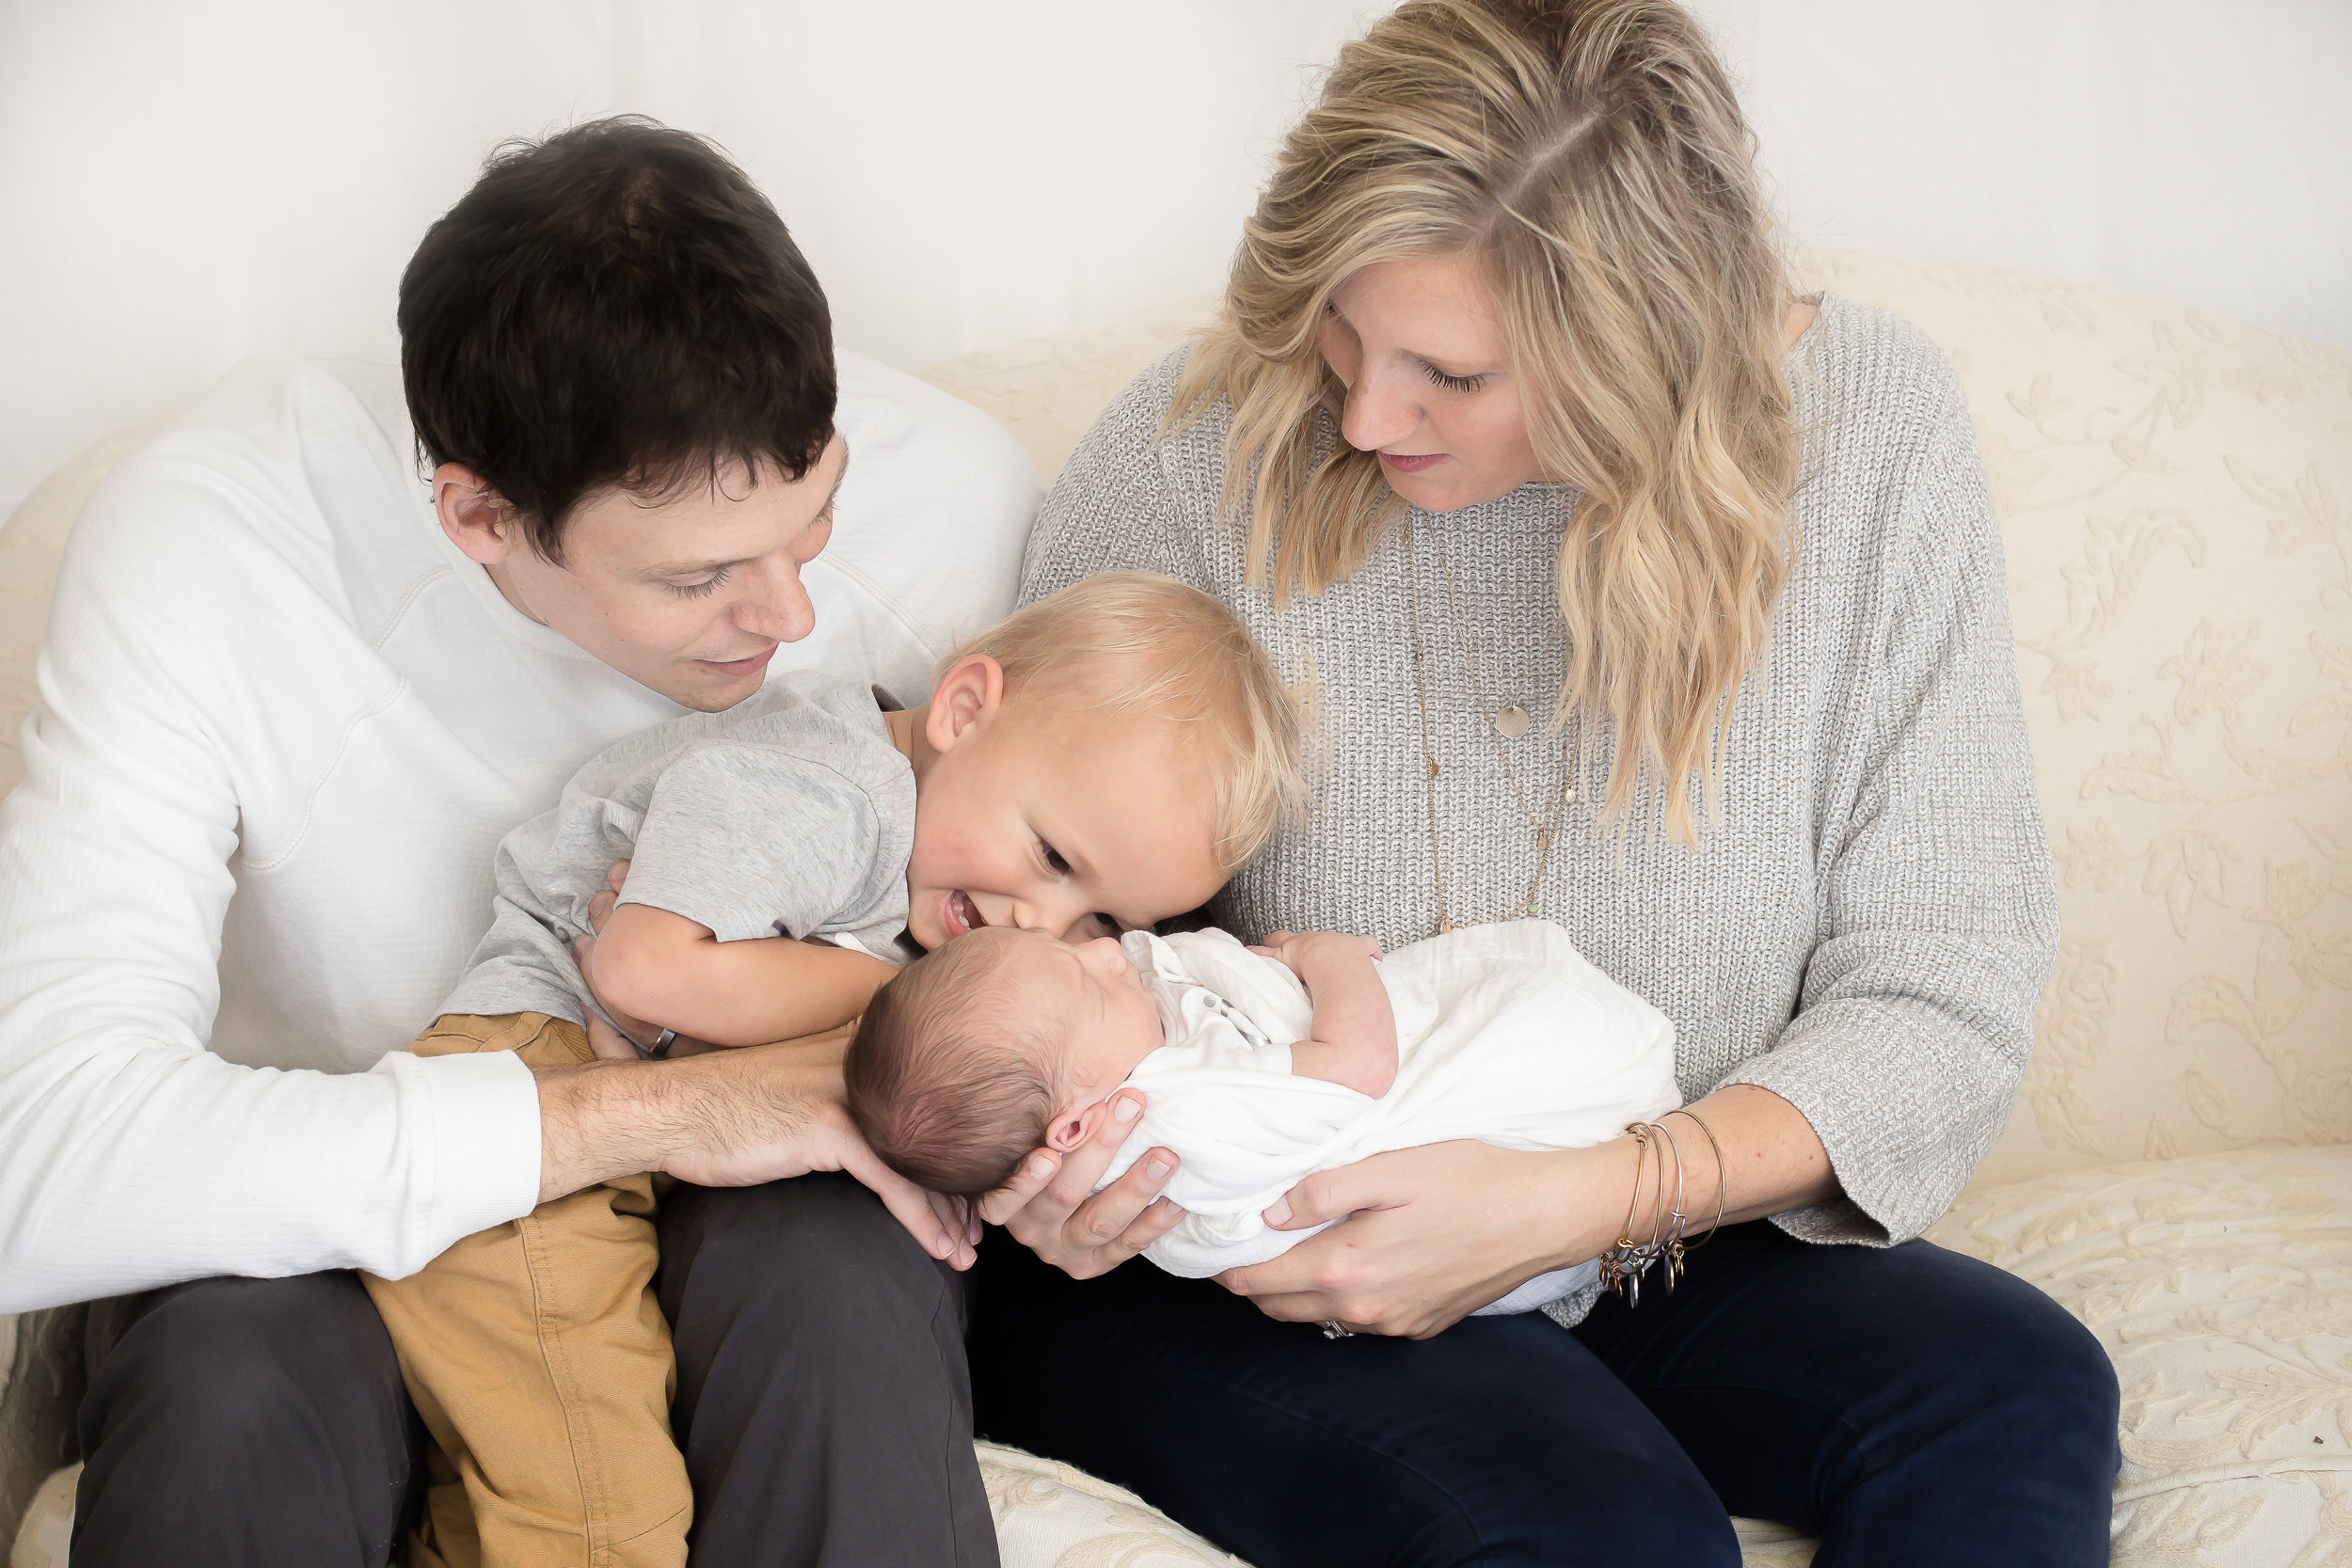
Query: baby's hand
1296, 949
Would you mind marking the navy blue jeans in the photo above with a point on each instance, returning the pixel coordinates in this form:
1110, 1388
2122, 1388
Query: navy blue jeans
1911, 1406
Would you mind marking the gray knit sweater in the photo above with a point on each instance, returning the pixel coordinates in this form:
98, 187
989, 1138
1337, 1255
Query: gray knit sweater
1867, 928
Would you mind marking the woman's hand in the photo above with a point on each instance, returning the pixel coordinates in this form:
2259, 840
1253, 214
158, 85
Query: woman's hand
1440, 1232
1047, 1208
1435, 1233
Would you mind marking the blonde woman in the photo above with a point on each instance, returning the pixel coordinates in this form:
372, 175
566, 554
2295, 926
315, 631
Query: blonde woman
1641, 596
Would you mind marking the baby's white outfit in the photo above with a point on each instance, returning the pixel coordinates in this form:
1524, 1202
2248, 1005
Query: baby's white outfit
1505, 1034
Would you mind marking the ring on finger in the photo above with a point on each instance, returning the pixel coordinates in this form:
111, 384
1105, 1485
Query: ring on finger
1334, 1329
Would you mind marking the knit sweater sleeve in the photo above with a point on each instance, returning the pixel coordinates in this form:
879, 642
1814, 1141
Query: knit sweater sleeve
1113, 508
1937, 909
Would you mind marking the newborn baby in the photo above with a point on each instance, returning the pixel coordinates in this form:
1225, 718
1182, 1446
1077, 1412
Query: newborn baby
1260, 1066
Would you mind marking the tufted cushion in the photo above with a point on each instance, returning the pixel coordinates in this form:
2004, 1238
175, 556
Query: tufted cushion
1050, 1516
2221, 1284
48, 1528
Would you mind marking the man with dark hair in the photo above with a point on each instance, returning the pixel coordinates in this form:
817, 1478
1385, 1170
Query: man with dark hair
293, 696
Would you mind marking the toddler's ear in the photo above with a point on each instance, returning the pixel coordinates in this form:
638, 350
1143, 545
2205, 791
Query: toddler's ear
971, 691
1075, 1128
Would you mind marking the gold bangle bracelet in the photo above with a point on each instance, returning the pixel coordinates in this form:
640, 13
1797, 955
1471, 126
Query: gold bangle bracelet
1623, 1262
1722, 1172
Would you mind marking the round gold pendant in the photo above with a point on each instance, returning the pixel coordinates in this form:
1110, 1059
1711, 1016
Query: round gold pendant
1512, 722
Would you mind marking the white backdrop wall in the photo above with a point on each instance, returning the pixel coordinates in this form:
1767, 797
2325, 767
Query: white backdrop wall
185, 181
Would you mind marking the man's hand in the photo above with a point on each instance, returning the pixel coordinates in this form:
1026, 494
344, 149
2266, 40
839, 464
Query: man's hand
1050, 1205
731, 1119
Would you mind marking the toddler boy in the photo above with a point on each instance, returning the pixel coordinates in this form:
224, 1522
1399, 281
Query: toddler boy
1102, 759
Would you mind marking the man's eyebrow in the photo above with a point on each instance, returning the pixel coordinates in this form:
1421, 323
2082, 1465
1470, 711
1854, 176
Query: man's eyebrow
680, 568
835, 494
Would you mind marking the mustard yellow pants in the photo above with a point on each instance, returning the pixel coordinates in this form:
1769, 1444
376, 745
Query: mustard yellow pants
540, 1361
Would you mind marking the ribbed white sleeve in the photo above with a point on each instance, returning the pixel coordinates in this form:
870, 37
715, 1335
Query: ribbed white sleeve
130, 1154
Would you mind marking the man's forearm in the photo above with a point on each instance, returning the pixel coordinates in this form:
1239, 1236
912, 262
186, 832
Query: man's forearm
598, 1121
715, 1113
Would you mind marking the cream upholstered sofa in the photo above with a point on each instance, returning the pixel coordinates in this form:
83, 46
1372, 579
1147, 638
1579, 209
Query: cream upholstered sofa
2176, 493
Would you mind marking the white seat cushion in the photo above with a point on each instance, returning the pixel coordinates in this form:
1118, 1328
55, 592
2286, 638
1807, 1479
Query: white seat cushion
2221, 1284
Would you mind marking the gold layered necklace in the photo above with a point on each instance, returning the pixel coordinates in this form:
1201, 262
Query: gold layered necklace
1510, 723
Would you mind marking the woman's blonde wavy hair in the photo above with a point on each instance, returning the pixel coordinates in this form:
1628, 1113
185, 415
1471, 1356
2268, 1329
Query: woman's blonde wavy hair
1590, 155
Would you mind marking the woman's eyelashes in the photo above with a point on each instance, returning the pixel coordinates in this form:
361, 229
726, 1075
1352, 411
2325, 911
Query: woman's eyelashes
702, 589
1451, 383
1436, 378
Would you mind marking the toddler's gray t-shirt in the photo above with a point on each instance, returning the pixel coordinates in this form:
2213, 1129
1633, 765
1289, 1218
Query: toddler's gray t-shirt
790, 813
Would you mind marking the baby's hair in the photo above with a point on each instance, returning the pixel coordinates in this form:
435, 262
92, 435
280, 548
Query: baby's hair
1136, 642
946, 1076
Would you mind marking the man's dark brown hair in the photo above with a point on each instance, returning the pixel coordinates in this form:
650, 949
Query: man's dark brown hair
616, 305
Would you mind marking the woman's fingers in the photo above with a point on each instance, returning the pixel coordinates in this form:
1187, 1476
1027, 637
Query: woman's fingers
1083, 1166
1154, 1223
1319, 1280
1119, 1217
1072, 1226
616, 873
1324, 1197
1294, 1306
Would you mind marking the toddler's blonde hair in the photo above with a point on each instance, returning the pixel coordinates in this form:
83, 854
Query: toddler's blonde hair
1136, 641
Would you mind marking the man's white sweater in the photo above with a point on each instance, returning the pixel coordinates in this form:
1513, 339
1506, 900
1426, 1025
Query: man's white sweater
283, 725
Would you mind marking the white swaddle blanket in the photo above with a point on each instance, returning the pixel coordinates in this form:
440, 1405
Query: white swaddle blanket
1505, 1034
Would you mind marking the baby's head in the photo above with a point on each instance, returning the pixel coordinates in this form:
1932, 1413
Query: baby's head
998, 1043
1102, 759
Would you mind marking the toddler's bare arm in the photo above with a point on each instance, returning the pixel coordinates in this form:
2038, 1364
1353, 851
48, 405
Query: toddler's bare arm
672, 971
1354, 1039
